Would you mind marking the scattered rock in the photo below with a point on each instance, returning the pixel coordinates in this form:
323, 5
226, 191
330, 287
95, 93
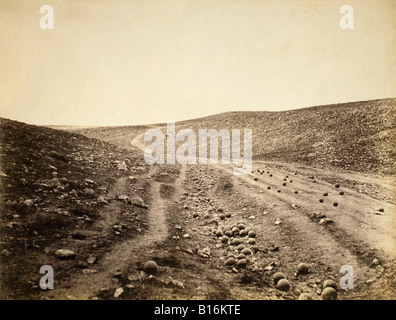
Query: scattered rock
28, 202
319, 215
101, 199
325, 221
65, 254
375, 262
205, 252
88, 191
138, 202
122, 166
278, 221
175, 283
91, 259
118, 292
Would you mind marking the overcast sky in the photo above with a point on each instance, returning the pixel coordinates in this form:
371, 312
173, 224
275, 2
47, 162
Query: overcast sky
119, 62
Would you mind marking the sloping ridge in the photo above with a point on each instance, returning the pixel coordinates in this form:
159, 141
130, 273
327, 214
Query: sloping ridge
357, 136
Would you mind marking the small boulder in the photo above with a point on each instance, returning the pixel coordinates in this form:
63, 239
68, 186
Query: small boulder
65, 254
118, 292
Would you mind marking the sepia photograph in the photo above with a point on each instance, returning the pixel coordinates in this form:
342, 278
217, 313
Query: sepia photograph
197, 150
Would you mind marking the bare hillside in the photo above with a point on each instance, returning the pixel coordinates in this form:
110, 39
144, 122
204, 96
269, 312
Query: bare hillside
357, 136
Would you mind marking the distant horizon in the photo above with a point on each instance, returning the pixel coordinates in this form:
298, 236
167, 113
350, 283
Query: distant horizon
205, 116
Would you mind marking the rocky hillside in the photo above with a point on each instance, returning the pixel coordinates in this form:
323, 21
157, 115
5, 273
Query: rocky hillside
56, 193
358, 136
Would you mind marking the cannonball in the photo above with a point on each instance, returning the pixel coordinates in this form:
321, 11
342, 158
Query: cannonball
278, 276
219, 233
241, 263
329, 284
252, 234
236, 242
231, 261
150, 267
329, 293
246, 252
228, 233
302, 268
304, 296
243, 233
283, 285
241, 256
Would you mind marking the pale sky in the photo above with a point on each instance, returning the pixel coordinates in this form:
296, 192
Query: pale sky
124, 62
